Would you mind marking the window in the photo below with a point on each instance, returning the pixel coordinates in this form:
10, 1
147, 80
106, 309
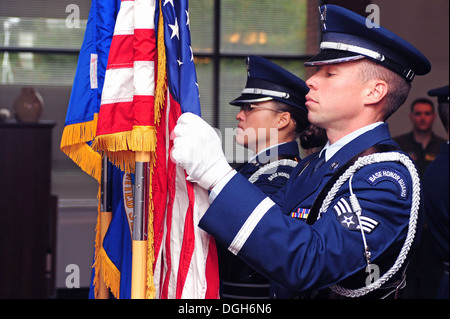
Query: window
224, 32
40, 50
36, 44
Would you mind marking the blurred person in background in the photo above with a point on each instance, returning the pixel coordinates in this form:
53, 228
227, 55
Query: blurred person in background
421, 143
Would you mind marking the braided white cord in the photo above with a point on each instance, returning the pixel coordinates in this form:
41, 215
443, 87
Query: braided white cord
361, 162
271, 168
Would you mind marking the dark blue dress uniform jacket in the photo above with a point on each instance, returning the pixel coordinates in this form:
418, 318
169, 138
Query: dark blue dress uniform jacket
270, 181
238, 280
300, 257
436, 196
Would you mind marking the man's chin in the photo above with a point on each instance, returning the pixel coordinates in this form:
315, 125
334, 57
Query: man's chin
424, 130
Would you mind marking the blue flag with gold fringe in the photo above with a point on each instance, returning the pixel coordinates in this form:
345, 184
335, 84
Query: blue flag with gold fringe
115, 252
84, 104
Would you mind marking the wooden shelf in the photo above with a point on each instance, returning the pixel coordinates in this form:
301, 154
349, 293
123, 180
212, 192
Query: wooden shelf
27, 211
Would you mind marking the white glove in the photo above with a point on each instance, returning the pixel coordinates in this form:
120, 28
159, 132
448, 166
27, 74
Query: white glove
198, 149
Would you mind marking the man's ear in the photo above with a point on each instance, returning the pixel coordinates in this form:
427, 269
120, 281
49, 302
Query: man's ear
375, 92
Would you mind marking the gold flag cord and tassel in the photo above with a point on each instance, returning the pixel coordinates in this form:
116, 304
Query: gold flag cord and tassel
160, 94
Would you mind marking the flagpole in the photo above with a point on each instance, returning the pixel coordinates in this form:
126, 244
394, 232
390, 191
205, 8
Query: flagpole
105, 220
140, 221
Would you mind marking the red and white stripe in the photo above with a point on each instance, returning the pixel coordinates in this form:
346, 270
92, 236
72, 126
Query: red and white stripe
129, 86
186, 264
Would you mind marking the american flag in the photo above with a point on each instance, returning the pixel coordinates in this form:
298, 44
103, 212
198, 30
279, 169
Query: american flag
186, 264
149, 82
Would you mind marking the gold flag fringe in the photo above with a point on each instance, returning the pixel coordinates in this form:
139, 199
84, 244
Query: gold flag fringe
97, 263
73, 144
111, 274
120, 147
160, 95
161, 83
102, 263
150, 292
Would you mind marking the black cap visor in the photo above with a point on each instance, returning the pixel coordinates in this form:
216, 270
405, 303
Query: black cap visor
250, 98
332, 57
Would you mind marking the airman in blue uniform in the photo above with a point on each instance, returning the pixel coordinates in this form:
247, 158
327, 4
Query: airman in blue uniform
264, 105
351, 229
238, 280
273, 99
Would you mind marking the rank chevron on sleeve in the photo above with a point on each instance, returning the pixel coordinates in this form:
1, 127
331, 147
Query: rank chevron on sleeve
348, 218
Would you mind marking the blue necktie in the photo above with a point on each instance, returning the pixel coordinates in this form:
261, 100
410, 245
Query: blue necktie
319, 162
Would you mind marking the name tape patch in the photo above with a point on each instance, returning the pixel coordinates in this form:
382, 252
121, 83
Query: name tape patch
392, 175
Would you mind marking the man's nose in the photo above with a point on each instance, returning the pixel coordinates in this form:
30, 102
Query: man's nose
311, 82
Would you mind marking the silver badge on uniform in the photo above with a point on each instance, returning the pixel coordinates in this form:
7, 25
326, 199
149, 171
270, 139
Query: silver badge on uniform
323, 17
